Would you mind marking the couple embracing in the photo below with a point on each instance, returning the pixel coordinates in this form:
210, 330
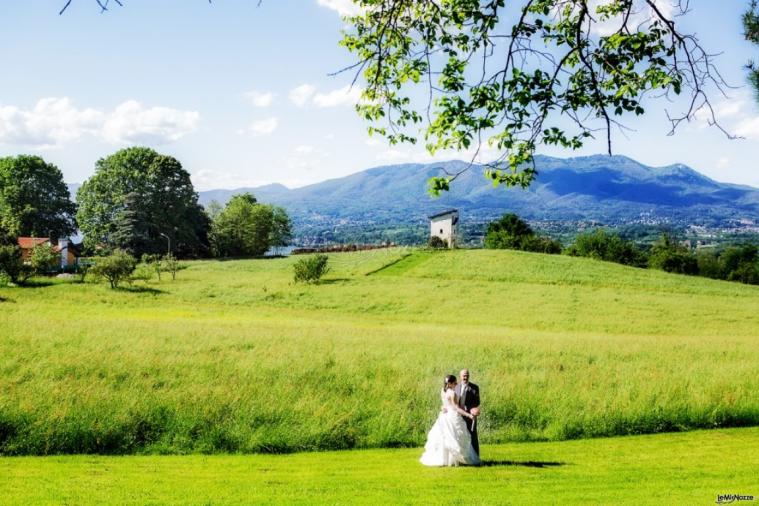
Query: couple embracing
453, 441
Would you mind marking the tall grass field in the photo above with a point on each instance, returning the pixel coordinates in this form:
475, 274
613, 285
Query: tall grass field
235, 357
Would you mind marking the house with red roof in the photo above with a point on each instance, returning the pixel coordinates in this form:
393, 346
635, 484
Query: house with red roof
68, 251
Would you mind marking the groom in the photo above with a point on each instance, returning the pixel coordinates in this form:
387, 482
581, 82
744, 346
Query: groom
469, 400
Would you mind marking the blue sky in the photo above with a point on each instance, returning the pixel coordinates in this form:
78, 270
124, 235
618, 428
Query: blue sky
241, 95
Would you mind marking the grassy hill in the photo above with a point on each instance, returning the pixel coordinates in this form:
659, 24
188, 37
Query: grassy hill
233, 356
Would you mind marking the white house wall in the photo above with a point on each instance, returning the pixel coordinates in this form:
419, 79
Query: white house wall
444, 229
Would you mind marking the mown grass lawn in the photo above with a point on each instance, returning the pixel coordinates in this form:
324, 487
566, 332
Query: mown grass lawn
234, 357
686, 468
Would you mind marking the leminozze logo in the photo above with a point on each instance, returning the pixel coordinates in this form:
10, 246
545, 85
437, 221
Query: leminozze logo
731, 498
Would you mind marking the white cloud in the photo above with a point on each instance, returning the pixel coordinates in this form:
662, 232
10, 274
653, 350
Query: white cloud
304, 149
306, 93
54, 122
260, 99
262, 127
372, 142
132, 123
396, 155
731, 108
302, 94
344, 96
51, 123
723, 162
748, 128
306, 157
343, 7
735, 114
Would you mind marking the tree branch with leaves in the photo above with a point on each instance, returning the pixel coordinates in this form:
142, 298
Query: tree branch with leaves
751, 32
555, 73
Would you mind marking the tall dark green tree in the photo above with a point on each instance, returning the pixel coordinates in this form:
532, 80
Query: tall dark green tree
138, 197
34, 200
132, 226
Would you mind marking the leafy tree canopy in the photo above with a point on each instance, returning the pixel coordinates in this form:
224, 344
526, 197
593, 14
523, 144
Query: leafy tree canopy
245, 228
553, 72
510, 228
34, 200
602, 244
669, 255
512, 232
136, 199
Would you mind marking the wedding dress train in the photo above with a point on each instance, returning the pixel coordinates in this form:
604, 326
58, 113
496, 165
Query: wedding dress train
449, 442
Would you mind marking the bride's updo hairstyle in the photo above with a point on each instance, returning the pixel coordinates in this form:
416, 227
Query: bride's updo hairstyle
448, 380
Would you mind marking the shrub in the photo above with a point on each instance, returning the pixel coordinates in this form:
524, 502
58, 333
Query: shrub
143, 272
155, 263
115, 268
609, 246
310, 269
172, 265
83, 266
436, 242
43, 259
12, 265
540, 244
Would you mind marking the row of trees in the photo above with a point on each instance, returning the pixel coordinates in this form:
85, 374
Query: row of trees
138, 201
734, 263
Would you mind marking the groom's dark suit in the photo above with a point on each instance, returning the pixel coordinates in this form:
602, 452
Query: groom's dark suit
469, 397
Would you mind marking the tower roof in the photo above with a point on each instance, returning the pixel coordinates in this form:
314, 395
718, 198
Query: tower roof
443, 213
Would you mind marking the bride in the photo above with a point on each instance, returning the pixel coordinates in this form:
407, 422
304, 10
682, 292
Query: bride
449, 442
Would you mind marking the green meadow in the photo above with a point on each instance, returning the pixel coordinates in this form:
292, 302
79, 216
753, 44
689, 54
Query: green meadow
687, 468
233, 357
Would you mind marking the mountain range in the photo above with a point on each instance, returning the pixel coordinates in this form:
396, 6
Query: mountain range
610, 189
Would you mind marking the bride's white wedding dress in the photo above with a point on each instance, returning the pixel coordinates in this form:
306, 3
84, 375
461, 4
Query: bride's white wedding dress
449, 443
